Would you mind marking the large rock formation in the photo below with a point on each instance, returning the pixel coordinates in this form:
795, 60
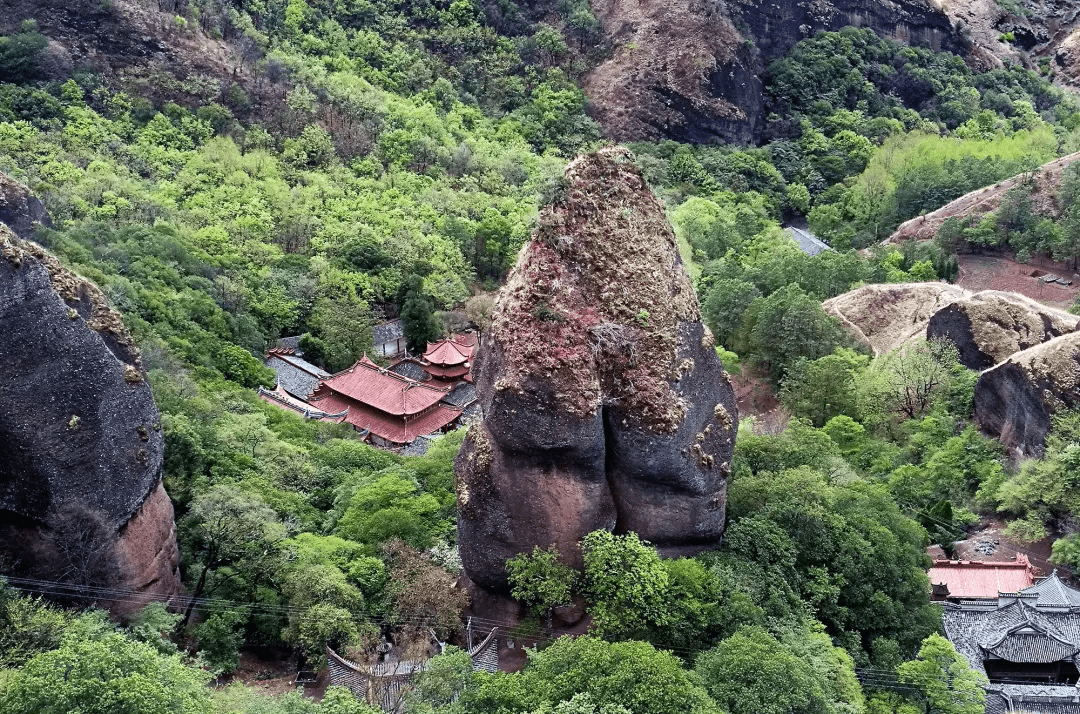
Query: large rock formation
1016, 400
81, 498
20, 209
690, 69
885, 317
604, 403
990, 325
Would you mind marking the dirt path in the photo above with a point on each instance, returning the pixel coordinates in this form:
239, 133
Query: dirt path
981, 272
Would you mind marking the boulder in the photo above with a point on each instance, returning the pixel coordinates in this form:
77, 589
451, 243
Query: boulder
1016, 399
604, 403
885, 317
81, 498
990, 325
20, 209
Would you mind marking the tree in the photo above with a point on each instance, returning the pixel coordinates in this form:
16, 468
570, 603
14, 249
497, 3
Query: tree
632, 675
724, 304
944, 678
751, 672
479, 309
906, 380
540, 581
823, 388
791, 324
421, 590
103, 676
345, 325
418, 319
625, 583
228, 527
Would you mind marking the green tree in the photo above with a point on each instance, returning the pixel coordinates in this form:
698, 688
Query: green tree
418, 320
788, 325
752, 672
626, 583
102, 676
824, 388
632, 675
944, 678
540, 581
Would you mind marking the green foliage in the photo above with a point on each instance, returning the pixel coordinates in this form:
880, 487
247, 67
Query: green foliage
789, 325
19, 54
799, 527
219, 641
752, 672
944, 678
28, 626
103, 675
630, 675
625, 583
540, 581
824, 388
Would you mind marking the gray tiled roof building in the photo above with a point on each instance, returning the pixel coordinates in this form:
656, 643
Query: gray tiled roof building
296, 376
1027, 643
808, 243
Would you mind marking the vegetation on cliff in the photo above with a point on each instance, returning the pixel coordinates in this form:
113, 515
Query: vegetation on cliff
393, 157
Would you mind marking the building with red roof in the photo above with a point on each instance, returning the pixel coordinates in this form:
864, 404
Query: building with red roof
391, 409
450, 359
957, 580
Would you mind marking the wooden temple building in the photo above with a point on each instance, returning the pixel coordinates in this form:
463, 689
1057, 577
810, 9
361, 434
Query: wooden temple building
393, 407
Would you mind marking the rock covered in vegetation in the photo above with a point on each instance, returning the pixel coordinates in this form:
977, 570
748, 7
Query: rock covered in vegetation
605, 405
20, 209
80, 472
990, 325
691, 70
885, 317
1017, 399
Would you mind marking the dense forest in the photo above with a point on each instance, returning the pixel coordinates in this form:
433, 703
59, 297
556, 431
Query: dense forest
389, 159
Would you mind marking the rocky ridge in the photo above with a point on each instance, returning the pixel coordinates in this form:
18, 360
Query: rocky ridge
604, 403
1029, 354
83, 443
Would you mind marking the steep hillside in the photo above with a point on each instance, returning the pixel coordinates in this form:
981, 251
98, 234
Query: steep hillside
691, 71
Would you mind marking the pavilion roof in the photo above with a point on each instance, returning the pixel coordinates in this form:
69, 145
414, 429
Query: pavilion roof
369, 384
448, 352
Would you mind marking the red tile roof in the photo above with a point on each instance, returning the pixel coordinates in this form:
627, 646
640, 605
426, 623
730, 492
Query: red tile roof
396, 429
367, 383
448, 353
446, 372
978, 579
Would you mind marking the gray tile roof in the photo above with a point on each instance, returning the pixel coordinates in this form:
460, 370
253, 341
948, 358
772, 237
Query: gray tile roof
461, 396
291, 343
1052, 591
296, 376
807, 241
410, 368
388, 332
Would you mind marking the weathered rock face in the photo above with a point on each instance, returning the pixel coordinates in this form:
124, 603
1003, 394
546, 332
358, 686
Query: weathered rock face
690, 69
1016, 400
82, 439
885, 317
990, 325
20, 209
605, 405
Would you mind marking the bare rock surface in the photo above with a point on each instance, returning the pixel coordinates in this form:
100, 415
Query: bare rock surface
990, 325
887, 316
1016, 399
605, 405
82, 438
20, 209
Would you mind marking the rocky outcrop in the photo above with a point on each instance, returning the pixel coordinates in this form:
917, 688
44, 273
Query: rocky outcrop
690, 69
990, 325
80, 472
1016, 400
885, 317
20, 209
604, 403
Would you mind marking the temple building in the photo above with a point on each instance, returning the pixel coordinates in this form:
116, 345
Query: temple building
957, 580
450, 359
1027, 643
391, 410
